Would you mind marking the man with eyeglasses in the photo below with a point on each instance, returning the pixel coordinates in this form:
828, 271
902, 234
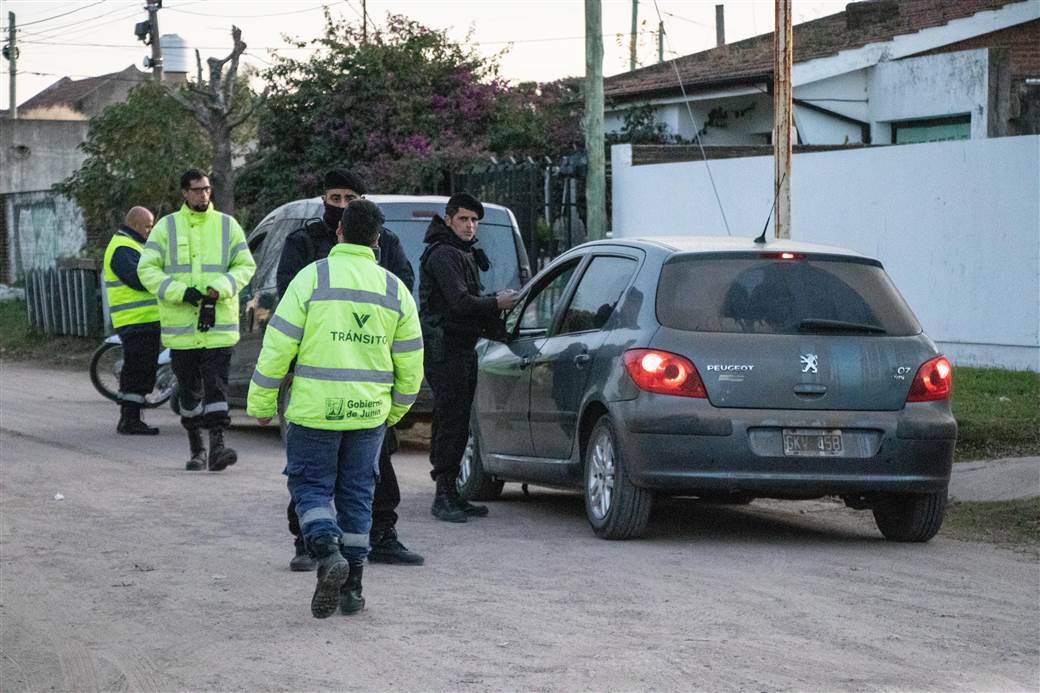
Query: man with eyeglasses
311, 242
196, 261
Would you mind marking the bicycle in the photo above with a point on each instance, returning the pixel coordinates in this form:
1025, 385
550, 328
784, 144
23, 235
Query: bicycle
107, 363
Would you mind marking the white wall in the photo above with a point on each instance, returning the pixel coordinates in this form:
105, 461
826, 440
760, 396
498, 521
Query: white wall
930, 87
956, 224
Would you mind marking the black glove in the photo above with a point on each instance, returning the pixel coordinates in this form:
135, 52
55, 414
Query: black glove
192, 296
207, 314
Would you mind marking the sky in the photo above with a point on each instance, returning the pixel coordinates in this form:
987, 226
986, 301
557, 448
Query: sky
543, 39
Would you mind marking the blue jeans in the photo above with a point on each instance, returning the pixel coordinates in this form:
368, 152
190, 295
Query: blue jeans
334, 465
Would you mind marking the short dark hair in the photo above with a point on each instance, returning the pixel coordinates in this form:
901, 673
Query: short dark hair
362, 222
463, 200
342, 178
190, 175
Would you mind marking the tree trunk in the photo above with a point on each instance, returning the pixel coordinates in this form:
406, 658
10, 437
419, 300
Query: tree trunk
223, 178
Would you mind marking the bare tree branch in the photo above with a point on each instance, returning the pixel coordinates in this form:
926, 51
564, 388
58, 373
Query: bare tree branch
252, 109
198, 61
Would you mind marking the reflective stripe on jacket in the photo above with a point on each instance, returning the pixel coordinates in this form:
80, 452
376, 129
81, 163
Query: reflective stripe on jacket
353, 329
200, 250
126, 305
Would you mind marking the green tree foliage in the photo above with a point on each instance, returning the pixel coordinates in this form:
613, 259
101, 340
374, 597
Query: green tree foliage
136, 153
403, 110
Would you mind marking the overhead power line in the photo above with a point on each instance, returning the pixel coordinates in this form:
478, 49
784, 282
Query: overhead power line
246, 16
696, 132
56, 16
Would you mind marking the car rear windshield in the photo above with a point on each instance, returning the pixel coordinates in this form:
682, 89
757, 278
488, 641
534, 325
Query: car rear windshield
767, 294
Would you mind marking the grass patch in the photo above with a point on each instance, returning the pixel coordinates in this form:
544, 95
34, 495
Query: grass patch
997, 522
997, 411
19, 343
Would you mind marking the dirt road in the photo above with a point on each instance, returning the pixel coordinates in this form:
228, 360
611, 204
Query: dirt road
149, 578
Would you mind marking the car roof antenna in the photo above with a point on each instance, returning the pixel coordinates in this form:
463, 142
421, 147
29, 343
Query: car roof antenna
762, 236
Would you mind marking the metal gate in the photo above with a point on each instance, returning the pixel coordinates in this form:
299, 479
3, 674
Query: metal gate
63, 301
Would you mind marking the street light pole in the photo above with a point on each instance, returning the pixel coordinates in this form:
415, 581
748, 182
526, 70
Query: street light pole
595, 170
783, 51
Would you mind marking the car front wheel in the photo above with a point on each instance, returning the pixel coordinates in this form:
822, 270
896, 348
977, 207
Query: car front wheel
616, 509
910, 517
473, 482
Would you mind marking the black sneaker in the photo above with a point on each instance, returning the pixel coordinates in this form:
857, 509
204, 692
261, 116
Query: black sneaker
387, 549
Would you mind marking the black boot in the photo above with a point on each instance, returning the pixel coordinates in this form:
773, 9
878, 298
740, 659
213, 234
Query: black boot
350, 599
467, 507
385, 548
444, 507
302, 562
220, 457
198, 451
333, 570
130, 422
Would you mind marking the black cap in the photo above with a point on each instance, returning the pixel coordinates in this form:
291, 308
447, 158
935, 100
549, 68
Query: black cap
464, 200
342, 178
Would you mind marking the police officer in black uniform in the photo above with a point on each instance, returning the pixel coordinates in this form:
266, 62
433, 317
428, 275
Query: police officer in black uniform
453, 313
312, 242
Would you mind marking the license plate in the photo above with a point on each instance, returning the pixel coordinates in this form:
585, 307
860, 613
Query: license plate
812, 442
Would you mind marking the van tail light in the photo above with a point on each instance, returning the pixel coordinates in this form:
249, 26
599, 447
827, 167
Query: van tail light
933, 381
664, 372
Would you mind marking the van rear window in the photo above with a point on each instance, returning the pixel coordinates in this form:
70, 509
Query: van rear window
771, 295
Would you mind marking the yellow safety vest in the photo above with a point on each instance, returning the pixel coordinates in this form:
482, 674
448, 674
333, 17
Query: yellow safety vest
126, 305
200, 250
353, 329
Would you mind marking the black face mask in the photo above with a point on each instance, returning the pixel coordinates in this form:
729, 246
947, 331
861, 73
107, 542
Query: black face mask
332, 215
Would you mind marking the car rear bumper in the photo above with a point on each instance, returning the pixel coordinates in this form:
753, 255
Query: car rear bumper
700, 447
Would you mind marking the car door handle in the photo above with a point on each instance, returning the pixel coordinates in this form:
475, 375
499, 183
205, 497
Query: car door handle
580, 360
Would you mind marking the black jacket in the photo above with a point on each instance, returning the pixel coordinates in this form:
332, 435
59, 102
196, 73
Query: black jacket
451, 309
314, 240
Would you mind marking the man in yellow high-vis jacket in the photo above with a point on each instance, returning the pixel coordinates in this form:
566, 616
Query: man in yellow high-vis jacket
196, 261
353, 329
135, 318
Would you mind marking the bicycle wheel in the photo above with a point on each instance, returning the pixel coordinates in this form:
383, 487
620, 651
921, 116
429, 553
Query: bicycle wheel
105, 366
165, 386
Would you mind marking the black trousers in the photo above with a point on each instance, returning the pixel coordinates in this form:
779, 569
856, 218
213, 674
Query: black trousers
387, 496
202, 386
454, 382
140, 358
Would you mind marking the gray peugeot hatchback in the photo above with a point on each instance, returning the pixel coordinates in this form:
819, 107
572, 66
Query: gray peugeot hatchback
720, 368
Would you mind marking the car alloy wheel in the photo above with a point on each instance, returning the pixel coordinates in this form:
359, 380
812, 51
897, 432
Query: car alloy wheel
601, 475
466, 467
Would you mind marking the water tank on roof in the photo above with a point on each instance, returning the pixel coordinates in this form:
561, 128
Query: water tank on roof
175, 53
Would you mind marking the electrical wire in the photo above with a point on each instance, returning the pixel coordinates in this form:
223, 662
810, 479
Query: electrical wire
47, 19
248, 16
696, 131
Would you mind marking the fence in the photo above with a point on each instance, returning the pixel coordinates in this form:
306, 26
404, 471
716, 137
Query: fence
547, 199
64, 301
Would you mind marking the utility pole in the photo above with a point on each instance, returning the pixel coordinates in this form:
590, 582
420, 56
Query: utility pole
720, 25
153, 22
632, 39
783, 51
11, 53
660, 42
595, 170
364, 21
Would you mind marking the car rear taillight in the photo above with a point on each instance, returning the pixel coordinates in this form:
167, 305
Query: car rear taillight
664, 372
932, 382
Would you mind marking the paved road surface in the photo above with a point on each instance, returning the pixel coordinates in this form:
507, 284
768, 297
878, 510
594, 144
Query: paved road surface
146, 577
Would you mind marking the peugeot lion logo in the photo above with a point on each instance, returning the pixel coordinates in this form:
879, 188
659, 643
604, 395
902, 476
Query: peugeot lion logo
809, 363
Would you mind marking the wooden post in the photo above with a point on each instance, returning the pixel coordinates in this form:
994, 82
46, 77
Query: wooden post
783, 51
595, 177
632, 38
12, 58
